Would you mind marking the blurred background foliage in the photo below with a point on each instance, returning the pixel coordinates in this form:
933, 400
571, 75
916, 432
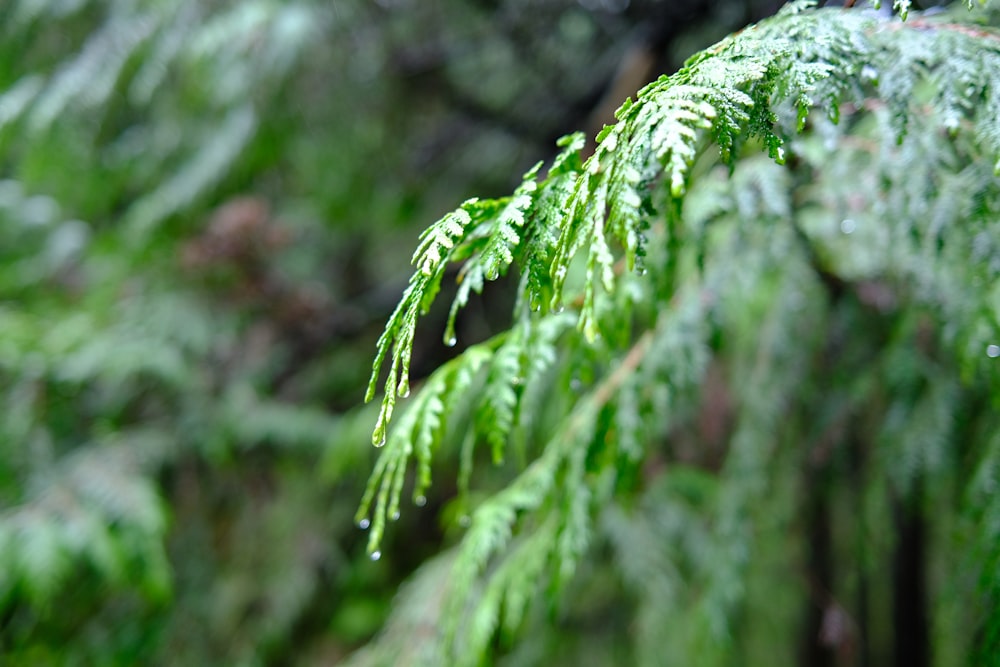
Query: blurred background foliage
207, 210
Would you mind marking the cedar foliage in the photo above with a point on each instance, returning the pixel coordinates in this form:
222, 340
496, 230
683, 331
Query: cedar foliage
754, 351
193, 202
175, 481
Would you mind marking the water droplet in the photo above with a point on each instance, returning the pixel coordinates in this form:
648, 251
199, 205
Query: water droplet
420, 501
517, 380
405, 393
993, 351
848, 226
464, 521
376, 555
381, 443
451, 342
641, 270
394, 516
561, 308
364, 523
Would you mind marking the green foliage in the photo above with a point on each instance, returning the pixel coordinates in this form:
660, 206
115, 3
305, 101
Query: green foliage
713, 358
845, 291
195, 202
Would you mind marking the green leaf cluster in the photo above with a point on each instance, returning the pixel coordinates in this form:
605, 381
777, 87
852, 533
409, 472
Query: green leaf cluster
701, 333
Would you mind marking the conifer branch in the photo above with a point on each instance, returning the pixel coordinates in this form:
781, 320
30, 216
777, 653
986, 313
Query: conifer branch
655, 254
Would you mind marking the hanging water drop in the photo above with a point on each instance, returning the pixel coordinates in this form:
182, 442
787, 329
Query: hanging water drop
364, 523
993, 351
451, 342
420, 501
376, 555
394, 516
381, 443
848, 226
